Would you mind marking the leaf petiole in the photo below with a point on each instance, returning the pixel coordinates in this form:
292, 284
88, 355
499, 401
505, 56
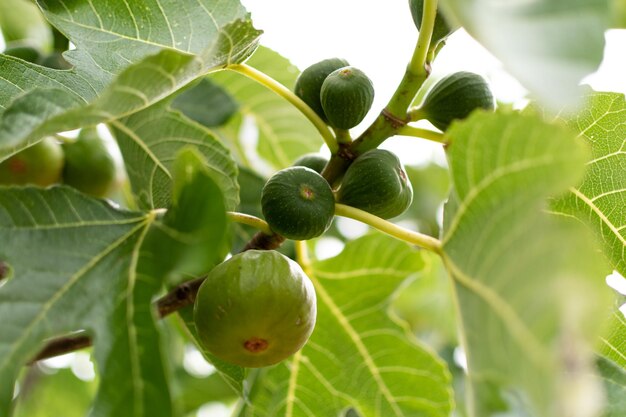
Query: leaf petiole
393, 230
287, 94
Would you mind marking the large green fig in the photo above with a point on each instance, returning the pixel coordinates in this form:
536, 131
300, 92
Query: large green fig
298, 203
441, 30
314, 161
347, 95
309, 83
40, 164
255, 309
376, 182
89, 165
455, 97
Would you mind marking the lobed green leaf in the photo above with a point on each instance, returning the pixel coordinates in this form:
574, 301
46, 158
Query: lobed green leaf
127, 57
529, 286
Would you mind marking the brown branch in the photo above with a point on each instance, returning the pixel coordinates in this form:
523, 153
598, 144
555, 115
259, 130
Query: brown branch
264, 241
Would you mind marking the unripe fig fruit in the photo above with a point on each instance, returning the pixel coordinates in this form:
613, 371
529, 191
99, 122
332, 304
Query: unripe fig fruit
89, 165
298, 203
347, 95
314, 161
40, 164
376, 182
455, 97
255, 309
309, 83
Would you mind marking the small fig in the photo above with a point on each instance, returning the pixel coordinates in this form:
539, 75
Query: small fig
376, 182
298, 203
347, 95
255, 309
455, 97
89, 165
314, 161
40, 164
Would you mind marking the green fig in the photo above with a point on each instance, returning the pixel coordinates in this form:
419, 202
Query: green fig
40, 164
455, 97
255, 309
298, 203
347, 95
376, 182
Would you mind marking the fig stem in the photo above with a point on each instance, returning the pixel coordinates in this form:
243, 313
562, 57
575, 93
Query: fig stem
250, 221
427, 242
418, 69
281, 90
417, 132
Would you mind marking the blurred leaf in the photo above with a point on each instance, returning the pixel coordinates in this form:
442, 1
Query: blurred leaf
127, 57
206, 103
614, 379
191, 392
548, 45
613, 341
284, 133
600, 200
100, 286
427, 305
48, 395
618, 13
358, 356
21, 21
149, 139
529, 286
192, 236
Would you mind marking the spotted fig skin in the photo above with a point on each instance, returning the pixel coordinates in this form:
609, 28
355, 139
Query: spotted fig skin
298, 203
376, 182
255, 309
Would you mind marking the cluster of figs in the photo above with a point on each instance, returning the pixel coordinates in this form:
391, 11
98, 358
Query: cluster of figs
298, 203
259, 307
